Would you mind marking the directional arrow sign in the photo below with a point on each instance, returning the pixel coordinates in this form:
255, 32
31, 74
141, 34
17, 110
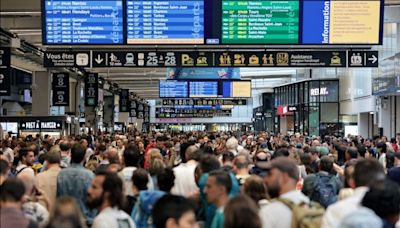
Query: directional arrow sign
372, 59
98, 59
362, 58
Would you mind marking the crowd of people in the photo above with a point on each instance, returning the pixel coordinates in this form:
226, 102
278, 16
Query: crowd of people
199, 179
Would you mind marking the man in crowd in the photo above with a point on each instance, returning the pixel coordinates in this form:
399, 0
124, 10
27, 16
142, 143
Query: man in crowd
323, 187
281, 181
26, 159
75, 180
394, 173
47, 180
106, 195
217, 190
366, 172
11, 199
172, 211
185, 183
4, 170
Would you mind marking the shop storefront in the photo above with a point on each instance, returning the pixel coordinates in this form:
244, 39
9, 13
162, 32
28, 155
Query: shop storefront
309, 107
55, 126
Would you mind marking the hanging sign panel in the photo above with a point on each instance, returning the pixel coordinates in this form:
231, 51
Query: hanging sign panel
210, 22
110, 59
5, 76
91, 89
60, 88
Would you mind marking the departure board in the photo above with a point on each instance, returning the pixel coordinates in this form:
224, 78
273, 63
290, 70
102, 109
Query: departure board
83, 22
235, 89
260, 22
203, 89
173, 89
165, 22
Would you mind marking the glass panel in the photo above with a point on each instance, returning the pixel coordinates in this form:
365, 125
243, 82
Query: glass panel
328, 91
329, 112
314, 121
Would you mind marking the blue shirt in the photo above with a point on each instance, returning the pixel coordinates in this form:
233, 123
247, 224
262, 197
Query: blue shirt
74, 181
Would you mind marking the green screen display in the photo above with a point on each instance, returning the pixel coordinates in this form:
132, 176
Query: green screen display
260, 21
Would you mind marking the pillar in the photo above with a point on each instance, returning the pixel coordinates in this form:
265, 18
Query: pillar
41, 91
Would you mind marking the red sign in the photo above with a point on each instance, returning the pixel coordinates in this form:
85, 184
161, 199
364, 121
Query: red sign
283, 110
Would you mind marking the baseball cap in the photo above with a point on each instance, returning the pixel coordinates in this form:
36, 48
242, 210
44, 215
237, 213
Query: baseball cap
285, 165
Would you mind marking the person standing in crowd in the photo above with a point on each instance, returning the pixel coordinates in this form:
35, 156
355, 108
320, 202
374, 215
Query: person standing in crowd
382, 150
75, 180
8, 153
241, 212
131, 157
26, 159
47, 180
384, 199
140, 181
394, 173
106, 195
281, 181
255, 188
366, 172
65, 155
66, 213
4, 170
120, 147
185, 183
172, 211
217, 190
323, 187
11, 199
241, 168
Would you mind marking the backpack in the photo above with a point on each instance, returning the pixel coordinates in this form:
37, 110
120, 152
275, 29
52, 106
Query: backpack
324, 190
305, 215
14, 172
141, 213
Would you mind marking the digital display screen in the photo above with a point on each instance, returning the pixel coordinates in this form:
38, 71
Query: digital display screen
165, 22
83, 22
173, 89
203, 89
260, 22
211, 22
341, 22
236, 89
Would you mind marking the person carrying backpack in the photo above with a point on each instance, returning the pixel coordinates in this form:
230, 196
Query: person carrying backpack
323, 187
290, 208
141, 213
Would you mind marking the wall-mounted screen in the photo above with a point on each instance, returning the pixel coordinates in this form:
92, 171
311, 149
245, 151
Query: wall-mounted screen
165, 22
211, 22
82, 22
236, 89
203, 89
173, 89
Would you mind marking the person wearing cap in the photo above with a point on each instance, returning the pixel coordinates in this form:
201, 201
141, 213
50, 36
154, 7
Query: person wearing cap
281, 181
261, 160
394, 173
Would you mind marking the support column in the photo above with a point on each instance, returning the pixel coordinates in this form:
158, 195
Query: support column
90, 118
41, 93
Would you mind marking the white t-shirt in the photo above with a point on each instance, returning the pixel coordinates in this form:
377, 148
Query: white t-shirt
113, 218
185, 183
126, 176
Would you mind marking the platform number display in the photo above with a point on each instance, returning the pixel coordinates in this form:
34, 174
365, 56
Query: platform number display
60, 88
